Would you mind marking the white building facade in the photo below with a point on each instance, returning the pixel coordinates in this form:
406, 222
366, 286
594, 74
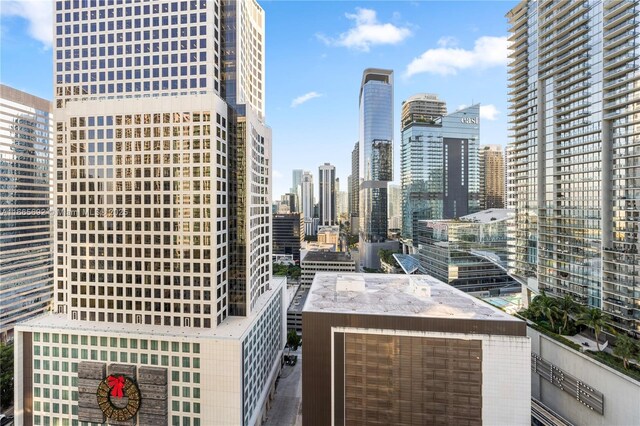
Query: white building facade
163, 175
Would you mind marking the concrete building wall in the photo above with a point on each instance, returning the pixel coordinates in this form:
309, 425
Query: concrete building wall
621, 393
505, 388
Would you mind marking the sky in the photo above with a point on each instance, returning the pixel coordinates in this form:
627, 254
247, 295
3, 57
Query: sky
316, 52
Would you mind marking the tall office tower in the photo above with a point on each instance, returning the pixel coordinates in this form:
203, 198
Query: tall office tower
306, 201
354, 201
342, 205
492, 177
574, 152
26, 232
288, 234
296, 180
422, 108
439, 168
349, 203
375, 161
291, 200
327, 194
395, 206
166, 310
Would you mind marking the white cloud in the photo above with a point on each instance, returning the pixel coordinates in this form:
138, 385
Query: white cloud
39, 14
489, 112
367, 32
448, 60
304, 98
448, 41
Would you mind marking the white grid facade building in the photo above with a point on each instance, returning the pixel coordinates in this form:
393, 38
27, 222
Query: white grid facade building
163, 188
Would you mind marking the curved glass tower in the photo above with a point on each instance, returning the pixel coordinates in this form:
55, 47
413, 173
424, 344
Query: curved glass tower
376, 160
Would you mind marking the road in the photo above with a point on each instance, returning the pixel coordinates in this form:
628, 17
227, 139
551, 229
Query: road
286, 406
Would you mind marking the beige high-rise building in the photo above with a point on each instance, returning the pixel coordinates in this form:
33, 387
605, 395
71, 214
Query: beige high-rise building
492, 186
422, 108
163, 247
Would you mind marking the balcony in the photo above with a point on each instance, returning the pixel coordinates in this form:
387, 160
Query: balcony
619, 48
619, 60
619, 71
618, 29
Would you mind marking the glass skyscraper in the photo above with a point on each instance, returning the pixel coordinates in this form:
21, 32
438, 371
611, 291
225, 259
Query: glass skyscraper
375, 161
163, 250
26, 209
574, 155
439, 167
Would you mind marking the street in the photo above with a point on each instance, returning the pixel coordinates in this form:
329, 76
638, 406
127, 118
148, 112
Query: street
286, 406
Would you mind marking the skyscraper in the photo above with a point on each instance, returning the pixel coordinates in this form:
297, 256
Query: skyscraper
354, 200
492, 174
26, 229
439, 168
375, 161
306, 201
422, 108
163, 259
327, 194
395, 206
573, 155
296, 180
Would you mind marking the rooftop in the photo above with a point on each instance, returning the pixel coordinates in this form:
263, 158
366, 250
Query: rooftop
486, 216
297, 304
400, 295
327, 256
230, 328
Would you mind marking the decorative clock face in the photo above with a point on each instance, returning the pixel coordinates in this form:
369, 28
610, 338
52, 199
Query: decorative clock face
118, 397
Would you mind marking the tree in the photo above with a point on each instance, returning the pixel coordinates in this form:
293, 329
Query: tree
566, 307
293, 340
6, 375
546, 307
387, 257
626, 348
294, 271
596, 319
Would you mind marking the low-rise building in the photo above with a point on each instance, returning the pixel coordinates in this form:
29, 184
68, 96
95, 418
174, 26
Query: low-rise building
400, 349
470, 253
329, 235
324, 261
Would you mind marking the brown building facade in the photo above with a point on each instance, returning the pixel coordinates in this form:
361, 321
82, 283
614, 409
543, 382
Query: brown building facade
418, 363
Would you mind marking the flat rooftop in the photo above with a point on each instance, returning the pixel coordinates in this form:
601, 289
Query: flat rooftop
490, 215
297, 304
231, 328
327, 256
394, 294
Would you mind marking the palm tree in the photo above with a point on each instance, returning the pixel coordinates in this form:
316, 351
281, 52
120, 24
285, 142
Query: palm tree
566, 306
626, 348
547, 306
596, 319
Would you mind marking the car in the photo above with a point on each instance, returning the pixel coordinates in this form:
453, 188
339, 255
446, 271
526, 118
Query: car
6, 420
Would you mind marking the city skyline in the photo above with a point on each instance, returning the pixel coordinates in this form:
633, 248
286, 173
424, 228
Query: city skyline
339, 40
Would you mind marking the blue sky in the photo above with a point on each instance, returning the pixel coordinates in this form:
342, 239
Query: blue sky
316, 52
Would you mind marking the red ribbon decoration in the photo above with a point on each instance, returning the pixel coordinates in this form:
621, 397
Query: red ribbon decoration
117, 385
